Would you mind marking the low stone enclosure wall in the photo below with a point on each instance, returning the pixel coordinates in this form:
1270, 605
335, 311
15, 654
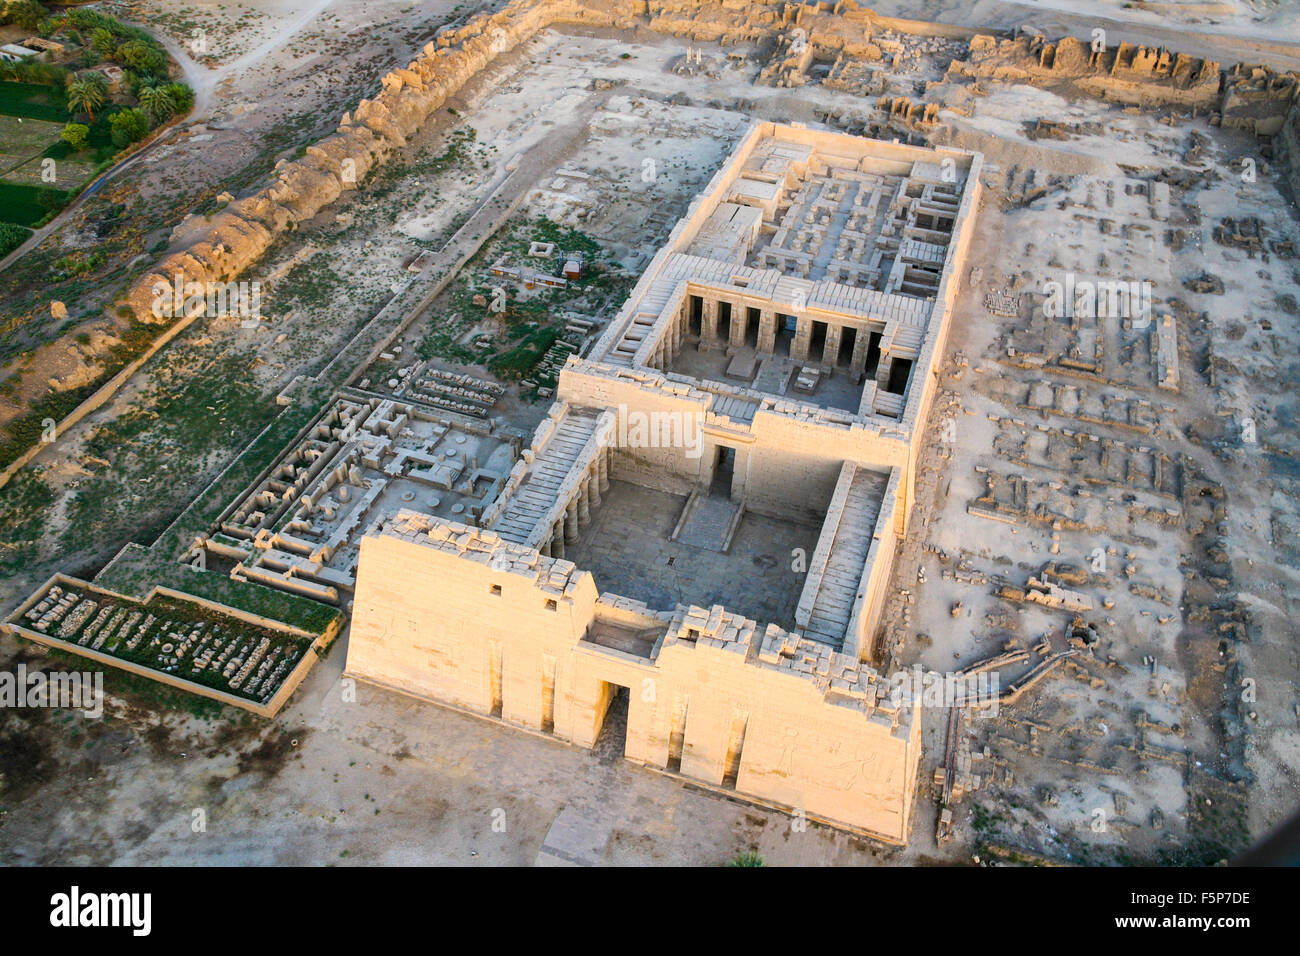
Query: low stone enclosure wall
86, 617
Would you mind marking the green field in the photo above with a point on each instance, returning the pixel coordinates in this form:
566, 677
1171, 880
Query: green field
33, 101
21, 204
24, 143
32, 118
11, 237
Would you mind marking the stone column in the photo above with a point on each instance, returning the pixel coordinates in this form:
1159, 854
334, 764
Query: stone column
858, 364
802, 337
593, 480
584, 503
767, 330
602, 468
557, 542
738, 320
709, 323
571, 522
832, 350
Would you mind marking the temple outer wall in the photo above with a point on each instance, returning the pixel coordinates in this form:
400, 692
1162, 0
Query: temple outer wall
426, 621
929, 363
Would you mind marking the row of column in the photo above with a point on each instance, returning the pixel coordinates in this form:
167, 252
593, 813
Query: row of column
577, 514
671, 341
800, 346
710, 315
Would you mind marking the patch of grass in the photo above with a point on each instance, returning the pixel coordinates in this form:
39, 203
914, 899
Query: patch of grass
23, 505
279, 606
27, 205
520, 360
26, 431
312, 283
33, 101
155, 696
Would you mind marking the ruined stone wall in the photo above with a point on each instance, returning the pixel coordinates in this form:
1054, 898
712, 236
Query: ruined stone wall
1246, 97
796, 724
1288, 152
1145, 76
1257, 99
722, 21
841, 26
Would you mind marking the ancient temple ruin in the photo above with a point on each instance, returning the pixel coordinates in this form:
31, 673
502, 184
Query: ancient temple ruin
768, 378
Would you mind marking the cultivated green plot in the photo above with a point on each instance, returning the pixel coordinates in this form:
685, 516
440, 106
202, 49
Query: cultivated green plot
23, 143
22, 140
26, 205
33, 101
68, 173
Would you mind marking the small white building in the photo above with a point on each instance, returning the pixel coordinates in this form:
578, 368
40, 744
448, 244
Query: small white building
14, 53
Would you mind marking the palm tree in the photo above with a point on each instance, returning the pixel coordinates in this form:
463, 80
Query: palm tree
157, 102
87, 93
103, 41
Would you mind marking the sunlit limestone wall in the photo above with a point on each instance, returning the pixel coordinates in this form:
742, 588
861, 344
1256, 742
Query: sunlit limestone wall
455, 615
786, 463
427, 620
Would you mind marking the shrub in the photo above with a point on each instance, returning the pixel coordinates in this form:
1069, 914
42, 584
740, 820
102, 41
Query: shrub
129, 126
103, 41
51, 200
74, 134
28, 14
141, 57
11, 237
182, 96
157, 102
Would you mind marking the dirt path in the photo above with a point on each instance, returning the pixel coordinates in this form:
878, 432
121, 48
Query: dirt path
206, 81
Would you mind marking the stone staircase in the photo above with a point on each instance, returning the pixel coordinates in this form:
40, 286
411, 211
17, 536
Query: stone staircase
853, 535
535, 497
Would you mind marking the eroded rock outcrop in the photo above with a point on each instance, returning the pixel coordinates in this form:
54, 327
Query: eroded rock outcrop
1127, 73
